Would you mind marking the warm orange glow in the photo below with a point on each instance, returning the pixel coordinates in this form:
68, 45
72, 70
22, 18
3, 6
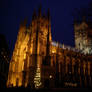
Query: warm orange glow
34, 46
88, 68
37, 78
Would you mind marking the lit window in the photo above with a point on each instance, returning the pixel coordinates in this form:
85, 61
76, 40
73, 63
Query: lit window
50, 76
24, 55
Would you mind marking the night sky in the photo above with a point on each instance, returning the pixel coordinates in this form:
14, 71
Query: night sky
12, 12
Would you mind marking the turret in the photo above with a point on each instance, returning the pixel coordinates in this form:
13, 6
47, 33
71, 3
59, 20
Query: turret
44, 15
39, 11
48, 43
34, 15
48, 14
84, 18
23, 23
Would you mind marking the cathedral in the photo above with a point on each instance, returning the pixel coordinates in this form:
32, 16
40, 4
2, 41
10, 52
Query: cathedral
39, 62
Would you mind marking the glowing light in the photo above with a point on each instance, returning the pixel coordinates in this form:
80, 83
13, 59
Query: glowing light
53, 51
54, 43
71, 84
50, 76
37, 78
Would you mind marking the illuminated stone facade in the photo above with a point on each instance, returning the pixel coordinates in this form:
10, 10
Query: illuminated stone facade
83, 36
31, 49
38, 62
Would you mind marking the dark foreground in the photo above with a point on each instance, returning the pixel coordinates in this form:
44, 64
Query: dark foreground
46, 90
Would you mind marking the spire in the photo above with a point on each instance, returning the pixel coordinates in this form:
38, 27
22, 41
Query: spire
84, 18
48, 14
39, 11
36, 49
34, 15
47, 62
23, 23
44, 15
75, 21
48, 43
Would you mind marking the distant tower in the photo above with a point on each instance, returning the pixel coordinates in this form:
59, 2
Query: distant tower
83, 33
30, 51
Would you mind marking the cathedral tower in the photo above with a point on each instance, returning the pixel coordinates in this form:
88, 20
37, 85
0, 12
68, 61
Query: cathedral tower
83, 36
31, 48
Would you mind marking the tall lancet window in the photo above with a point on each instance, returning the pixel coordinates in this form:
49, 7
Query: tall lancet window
24, 53
23, 66
24, 56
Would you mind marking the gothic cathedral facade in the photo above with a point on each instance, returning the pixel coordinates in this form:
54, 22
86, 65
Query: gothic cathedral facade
39, 62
